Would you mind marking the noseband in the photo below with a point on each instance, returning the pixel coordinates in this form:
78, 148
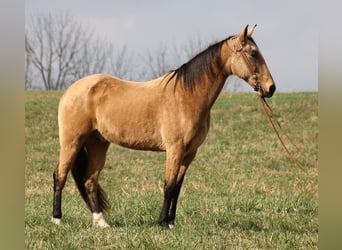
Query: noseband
237, 47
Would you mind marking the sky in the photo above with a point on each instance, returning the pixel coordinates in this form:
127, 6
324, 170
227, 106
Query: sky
287, 31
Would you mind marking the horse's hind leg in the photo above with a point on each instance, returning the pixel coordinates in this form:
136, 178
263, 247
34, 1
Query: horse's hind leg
87, 179
66, 159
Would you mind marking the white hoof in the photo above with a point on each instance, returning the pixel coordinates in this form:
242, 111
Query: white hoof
56, 221
98, 220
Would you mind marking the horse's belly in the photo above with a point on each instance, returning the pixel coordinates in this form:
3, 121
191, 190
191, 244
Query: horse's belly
138, 138
141, 146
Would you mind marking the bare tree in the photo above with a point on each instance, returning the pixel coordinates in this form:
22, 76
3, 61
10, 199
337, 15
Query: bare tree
51, 44
194, 46
60, 50
156, 64
167, 57
120, 63
91, 58
28, 71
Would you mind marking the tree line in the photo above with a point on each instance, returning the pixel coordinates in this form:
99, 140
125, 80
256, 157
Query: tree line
60, 50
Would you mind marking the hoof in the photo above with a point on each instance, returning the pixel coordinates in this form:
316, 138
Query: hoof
56, 221
166, 225
99, 221
102, 224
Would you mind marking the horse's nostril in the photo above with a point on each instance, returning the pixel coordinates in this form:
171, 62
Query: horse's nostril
272, 89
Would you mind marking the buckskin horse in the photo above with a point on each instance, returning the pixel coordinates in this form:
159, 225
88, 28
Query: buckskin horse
170, 113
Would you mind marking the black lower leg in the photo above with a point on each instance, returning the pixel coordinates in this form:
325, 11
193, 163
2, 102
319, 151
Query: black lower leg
57, 197
173, 208
164, 215
91, 191
164, 219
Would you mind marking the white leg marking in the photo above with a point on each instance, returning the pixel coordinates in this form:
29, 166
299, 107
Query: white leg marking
57, 221
98, 220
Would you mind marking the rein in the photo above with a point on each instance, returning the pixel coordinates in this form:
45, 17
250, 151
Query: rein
237, 47
269, 113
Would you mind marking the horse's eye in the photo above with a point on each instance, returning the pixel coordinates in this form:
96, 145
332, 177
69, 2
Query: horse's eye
254, 53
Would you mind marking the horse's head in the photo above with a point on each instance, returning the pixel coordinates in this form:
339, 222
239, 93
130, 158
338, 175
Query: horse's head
247, 63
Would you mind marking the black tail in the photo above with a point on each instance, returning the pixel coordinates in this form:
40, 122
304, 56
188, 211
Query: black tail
79, 172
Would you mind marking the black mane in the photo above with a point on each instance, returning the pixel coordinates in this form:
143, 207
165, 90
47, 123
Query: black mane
192, 71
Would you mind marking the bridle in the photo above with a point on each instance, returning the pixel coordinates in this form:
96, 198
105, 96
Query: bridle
237, 47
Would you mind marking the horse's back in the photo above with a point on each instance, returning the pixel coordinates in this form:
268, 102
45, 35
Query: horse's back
85, 91
123, 112
97, 84
89, 84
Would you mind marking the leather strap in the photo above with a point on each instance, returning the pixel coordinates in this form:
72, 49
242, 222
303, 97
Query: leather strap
268, 112
238, 48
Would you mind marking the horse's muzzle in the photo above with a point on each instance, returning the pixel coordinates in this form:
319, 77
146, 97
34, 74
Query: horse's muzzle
267, 93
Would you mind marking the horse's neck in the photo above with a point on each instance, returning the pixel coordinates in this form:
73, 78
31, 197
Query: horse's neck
208, 91
204, 93
215, 89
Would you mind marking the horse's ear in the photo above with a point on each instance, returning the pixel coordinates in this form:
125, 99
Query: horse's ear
251, 30
243, 35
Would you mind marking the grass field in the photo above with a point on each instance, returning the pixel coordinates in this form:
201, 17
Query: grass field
241, 192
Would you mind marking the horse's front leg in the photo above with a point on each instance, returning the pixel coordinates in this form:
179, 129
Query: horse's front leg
184, 167
174, 158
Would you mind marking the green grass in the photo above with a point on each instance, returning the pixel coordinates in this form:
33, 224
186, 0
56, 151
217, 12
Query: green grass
241, 192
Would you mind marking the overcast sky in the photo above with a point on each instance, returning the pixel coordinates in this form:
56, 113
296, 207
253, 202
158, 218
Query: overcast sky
287, 32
